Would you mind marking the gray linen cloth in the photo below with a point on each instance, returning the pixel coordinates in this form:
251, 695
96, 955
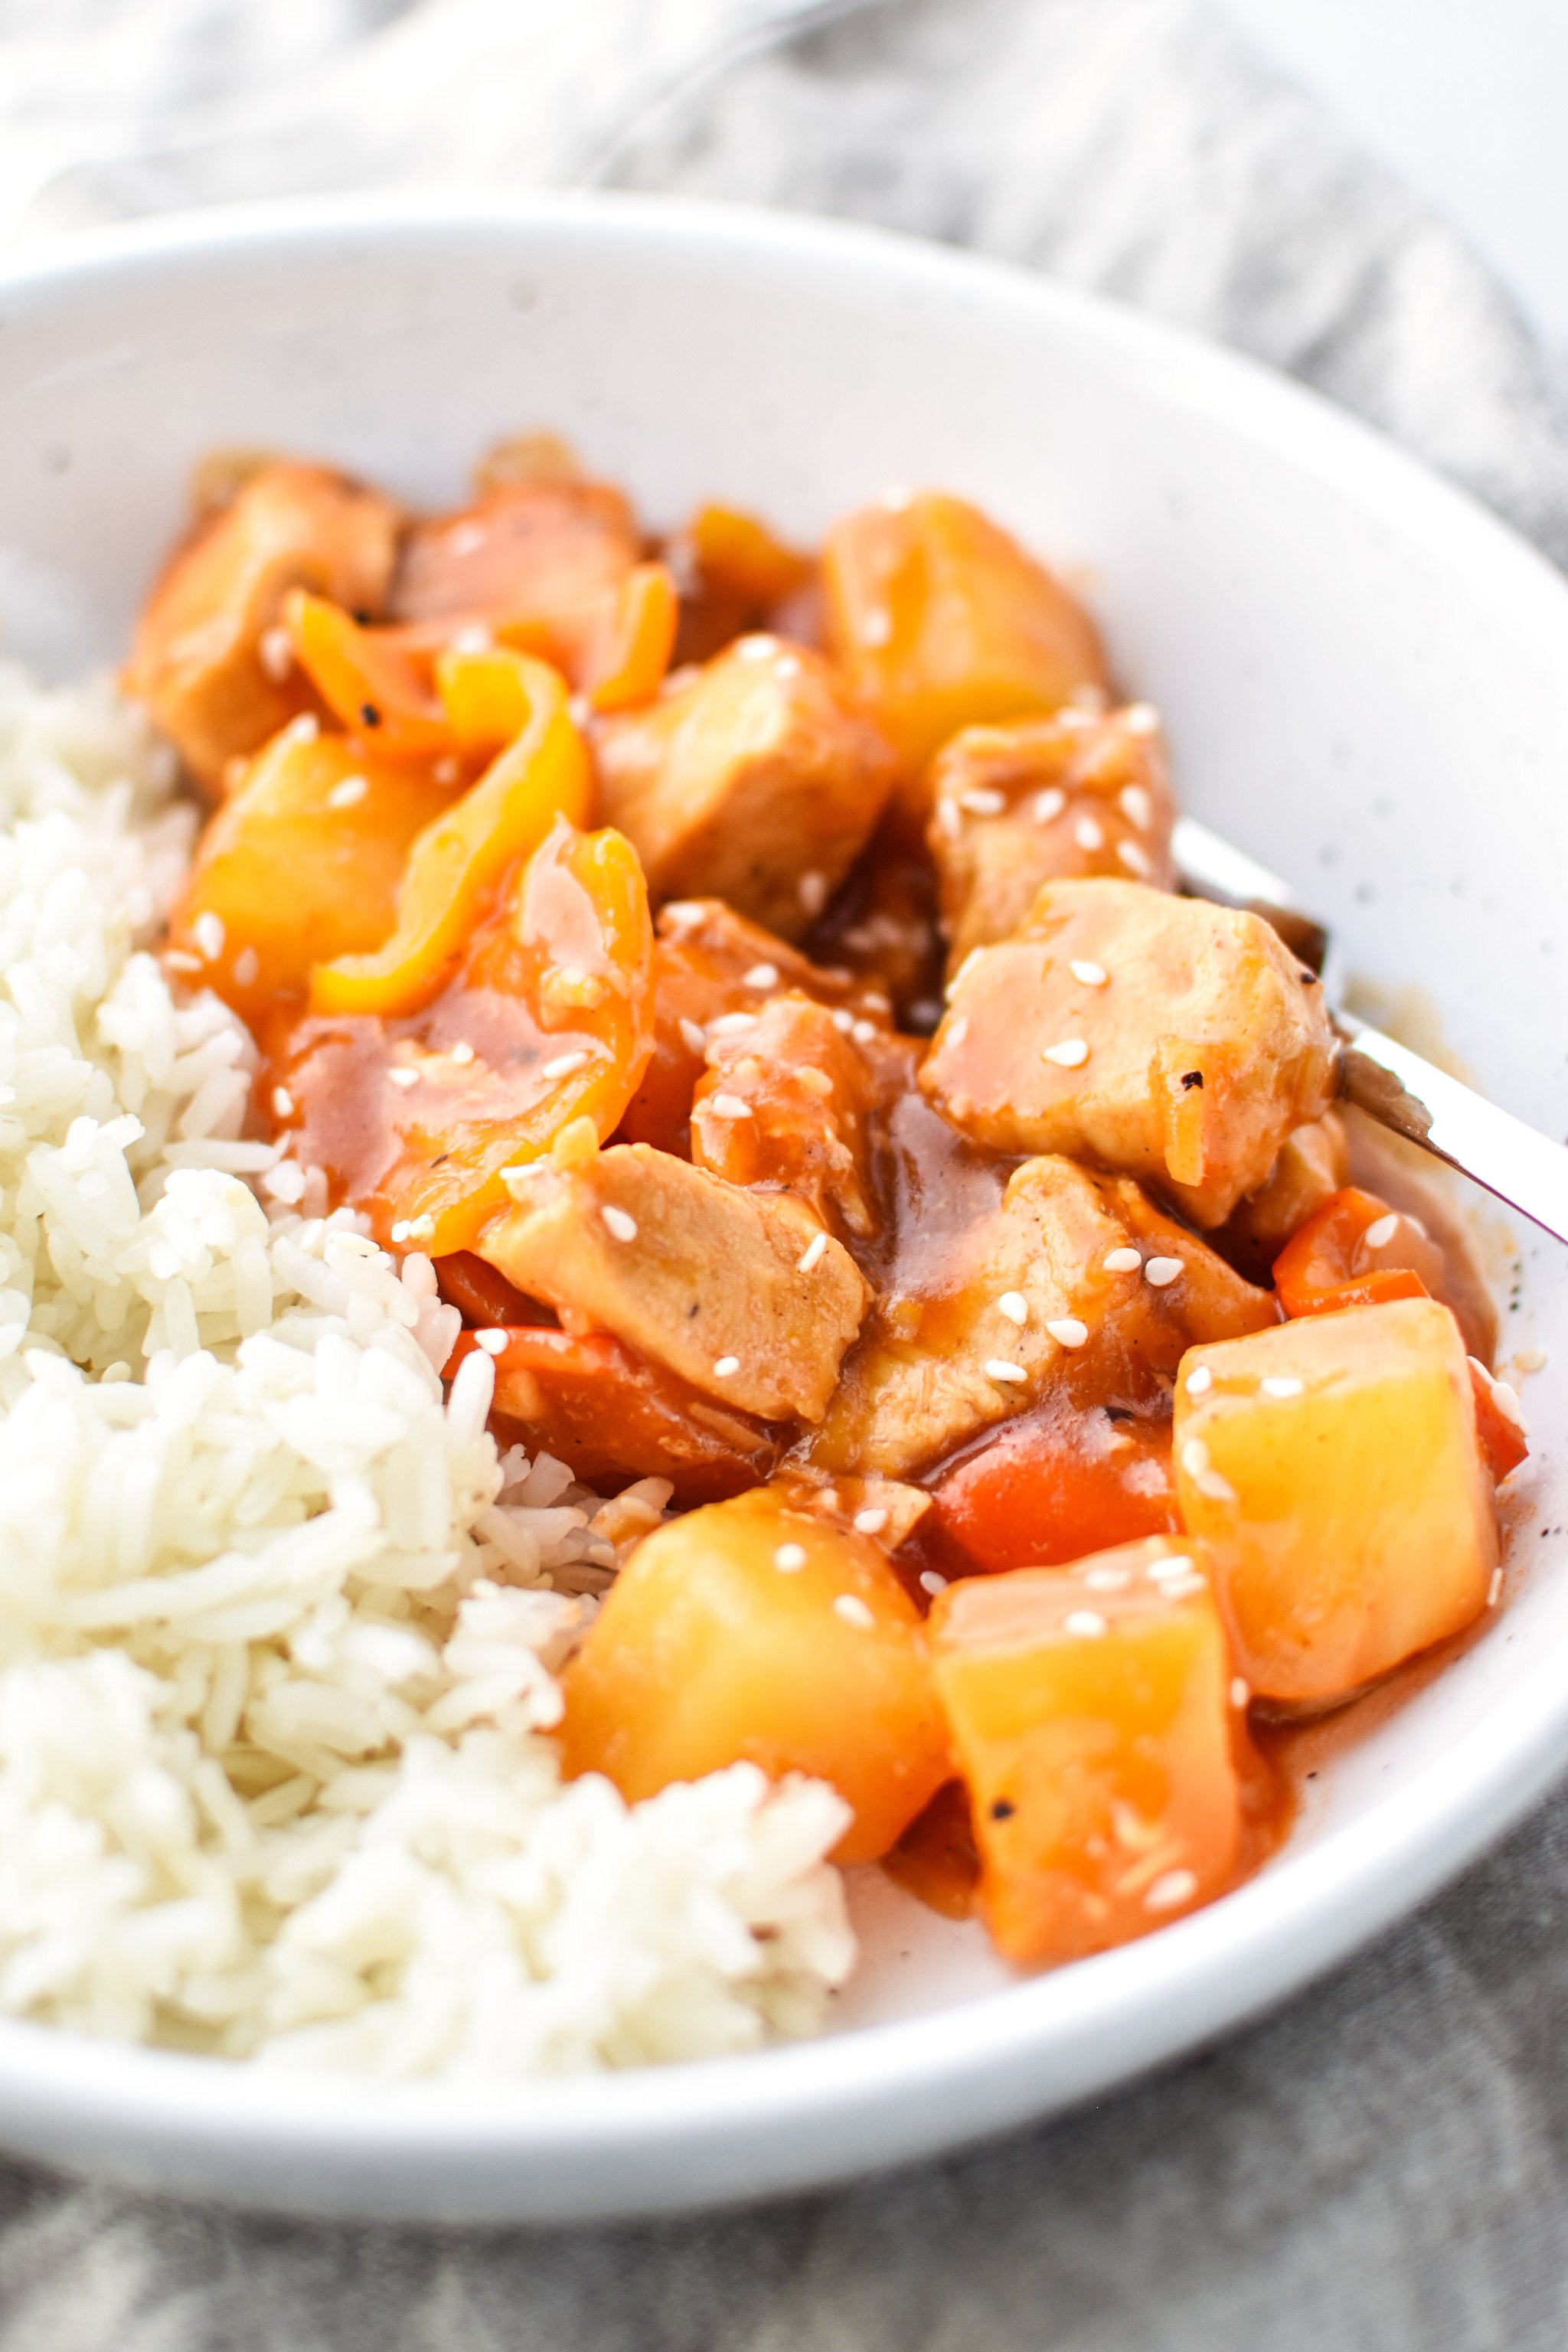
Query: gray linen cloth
1382, 2164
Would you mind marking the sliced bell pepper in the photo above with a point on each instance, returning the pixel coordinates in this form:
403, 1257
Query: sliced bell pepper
459, 862
370, 682
1500, 1424
1317, 1271
637, 644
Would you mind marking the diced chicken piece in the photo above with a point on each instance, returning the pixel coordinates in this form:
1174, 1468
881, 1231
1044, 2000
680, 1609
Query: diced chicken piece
939, 620
755, 1630
1312, 1166
1091, 1713
1333, 1470
1048, 1290
712, 965
754, 779
1174, 1039
525, 548
1041, 799
209, 659
786, 1103
693, 1274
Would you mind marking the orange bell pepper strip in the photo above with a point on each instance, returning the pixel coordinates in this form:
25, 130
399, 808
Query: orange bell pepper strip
369, 682
459, 862
740, 555
630, 665
1316, 1271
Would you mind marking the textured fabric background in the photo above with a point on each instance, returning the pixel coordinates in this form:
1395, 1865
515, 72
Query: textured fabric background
1383, 2165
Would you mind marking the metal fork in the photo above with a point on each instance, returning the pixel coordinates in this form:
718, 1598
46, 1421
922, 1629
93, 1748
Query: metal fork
1390, 1084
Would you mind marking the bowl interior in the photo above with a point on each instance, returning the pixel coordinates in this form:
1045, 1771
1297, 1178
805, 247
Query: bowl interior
1363, 680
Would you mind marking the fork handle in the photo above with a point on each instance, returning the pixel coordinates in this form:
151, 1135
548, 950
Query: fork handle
1450, 1120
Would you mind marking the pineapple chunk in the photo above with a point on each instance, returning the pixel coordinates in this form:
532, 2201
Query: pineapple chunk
755, 1630
940, 620
755, 780
1093, 1719
1177, 1042
1332, 1469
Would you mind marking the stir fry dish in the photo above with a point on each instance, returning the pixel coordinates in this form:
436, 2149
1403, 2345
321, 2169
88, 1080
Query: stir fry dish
756, 982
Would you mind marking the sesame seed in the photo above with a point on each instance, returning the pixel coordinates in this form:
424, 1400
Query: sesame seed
1135, 859
1141, 719
402, 1076
1071, 1053
353, 790
1217, 1489
1194, 1457
1009, 1375
1171, 1888
1379, 1235
247, 967
1121, 1261
473, 639
854, 1612
1282, 1385
400, 1232
693, 1036
305, 729
1107, 1580
1494, 1589
950, 819
1049, 804
462, 1050
282, 1102
980, 800
756, 648
209, 935
763, 975
1086, 1622
827, 1498
957, 1030
1508, 1403
1015, 1307
871, 1521
276, 648
932, 1581
843, 1021
619, 1223
1240, 1691
421, 1229
1170, 1564
1137, 806
466, 538
787, 666
178, 960
1067, 1331
1091, 975
1200, 1379
1181, 1588
447, 771
728, 1107
732, 1024
494, 1343
789, 1556
1088, 833
725, 1366
1162, 1271
864, 1032
877, 628
563, 1065
812, 1254
812, 892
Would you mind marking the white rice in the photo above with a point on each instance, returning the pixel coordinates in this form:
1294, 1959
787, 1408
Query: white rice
277, 1626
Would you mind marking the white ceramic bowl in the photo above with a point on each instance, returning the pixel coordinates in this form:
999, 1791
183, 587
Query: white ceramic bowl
1366, 681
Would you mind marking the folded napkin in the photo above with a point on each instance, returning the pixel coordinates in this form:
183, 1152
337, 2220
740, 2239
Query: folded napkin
1382, 2164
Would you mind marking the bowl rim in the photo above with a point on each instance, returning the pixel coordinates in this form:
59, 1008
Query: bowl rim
807, 2113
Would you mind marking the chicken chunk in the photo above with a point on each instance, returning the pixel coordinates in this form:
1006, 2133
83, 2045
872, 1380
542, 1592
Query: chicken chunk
204, 660
525, 548
786, 1103
1048, 1291
1176, 1041
1018, 805
756, 779
695, 1274
712, 965
940, 620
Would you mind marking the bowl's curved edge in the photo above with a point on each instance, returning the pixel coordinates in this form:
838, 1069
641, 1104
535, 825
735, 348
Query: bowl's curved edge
756, 2126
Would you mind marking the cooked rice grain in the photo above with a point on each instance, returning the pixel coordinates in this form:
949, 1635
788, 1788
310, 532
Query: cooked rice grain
278, 1628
